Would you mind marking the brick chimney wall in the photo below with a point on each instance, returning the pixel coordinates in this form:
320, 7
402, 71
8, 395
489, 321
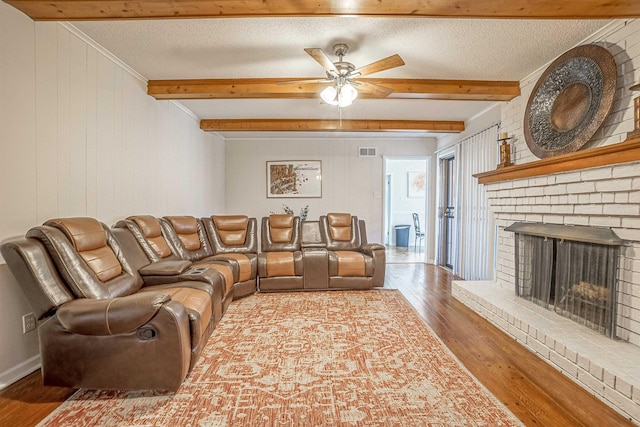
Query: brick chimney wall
607, 196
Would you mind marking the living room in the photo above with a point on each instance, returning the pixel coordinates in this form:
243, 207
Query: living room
81, 137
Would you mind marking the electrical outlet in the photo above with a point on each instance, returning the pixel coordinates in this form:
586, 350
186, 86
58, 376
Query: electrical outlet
28, 322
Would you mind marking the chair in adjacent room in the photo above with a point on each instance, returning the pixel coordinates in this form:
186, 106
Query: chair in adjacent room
419, 235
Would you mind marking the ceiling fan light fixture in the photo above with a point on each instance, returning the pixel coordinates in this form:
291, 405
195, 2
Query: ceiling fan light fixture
343, 76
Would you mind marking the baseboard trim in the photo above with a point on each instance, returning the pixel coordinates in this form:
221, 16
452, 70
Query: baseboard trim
20, 371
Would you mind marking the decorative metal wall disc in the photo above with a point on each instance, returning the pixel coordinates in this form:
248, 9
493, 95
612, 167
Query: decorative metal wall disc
570, 101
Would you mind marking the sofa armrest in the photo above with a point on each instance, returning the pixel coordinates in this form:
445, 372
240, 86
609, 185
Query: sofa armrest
314, 245
378, 253
370, 248
165, 268
210, 279
101, 317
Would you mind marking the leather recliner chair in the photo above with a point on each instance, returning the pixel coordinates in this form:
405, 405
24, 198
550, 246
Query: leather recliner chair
233, 238
188, 240
160, 265
280, 265
100, 327
353, 263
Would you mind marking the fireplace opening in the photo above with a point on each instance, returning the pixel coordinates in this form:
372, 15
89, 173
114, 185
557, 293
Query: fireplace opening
571, 270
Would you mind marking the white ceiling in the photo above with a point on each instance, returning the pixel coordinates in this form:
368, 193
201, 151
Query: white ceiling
470, 49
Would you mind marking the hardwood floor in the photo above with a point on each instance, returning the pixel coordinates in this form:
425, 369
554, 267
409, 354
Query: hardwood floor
532, 389
27, 402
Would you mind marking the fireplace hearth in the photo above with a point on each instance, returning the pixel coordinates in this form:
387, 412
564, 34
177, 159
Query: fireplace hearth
571, 270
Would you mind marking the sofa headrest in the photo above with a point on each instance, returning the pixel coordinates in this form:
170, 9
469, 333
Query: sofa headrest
186, 227
149, 225
281, 227
150, 228
84, 233
184, 224
232, 229
340, 226
89, 239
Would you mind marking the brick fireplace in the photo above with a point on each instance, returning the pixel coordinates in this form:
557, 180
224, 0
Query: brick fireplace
606, 196
599, 195
571, 270
602, 197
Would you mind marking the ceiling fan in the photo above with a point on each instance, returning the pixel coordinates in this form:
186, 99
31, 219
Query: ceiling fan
343, 76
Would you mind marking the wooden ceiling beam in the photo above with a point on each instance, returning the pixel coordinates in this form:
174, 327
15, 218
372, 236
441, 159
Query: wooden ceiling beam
474, 90
310, 125
68, 10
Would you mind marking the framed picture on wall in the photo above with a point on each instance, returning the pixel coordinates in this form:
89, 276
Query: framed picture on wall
416, 184
294, 178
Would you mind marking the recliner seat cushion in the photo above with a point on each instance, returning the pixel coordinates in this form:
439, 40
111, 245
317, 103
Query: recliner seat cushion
244, 264
225, 270
351, 263
280, 264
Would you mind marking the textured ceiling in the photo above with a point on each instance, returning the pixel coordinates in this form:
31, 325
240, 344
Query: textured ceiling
479, 49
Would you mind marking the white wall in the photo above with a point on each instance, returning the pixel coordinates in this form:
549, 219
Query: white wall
80, 137
482, 121
349, 183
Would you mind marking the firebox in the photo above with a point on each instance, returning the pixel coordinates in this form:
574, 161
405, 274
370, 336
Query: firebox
569, 269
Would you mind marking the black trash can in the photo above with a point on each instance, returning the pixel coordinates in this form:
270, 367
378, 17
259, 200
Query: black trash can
402, 235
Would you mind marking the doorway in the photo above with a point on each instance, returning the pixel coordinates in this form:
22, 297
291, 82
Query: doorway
406, 191
448, 236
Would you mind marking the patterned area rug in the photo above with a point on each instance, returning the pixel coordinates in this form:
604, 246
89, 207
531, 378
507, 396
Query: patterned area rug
343, 358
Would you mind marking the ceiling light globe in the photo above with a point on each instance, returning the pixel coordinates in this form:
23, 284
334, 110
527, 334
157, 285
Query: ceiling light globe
349, 92
329, 95
346, 95
343, 101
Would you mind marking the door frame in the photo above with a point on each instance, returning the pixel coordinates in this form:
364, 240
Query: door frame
443, 156
387, 208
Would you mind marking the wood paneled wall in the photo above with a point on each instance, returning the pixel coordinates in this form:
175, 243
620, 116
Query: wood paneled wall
80, 137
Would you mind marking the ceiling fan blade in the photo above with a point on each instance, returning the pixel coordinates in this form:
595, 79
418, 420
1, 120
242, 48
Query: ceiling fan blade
322, 59
372, 89
381, 65
304, 81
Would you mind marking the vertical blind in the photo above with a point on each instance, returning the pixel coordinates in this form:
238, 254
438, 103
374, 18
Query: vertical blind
476, 227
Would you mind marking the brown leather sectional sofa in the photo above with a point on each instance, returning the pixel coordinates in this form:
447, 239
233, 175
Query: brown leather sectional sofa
331, 253
131, 307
